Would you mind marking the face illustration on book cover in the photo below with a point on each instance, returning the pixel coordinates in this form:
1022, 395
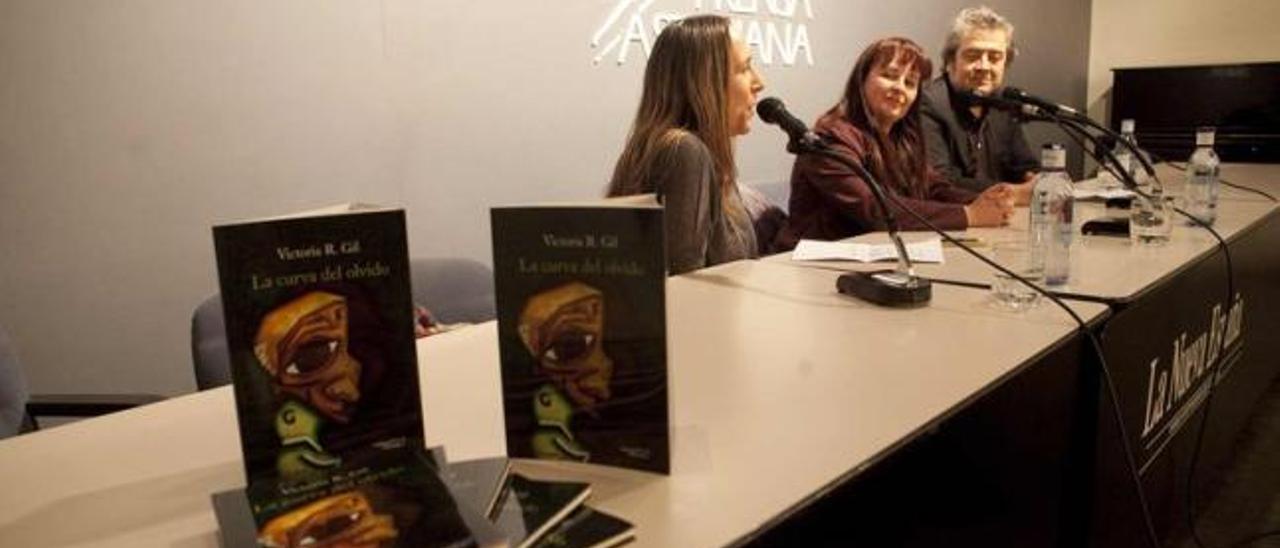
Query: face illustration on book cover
402, 504
589, 383
346, 519
581, 327
320, 354
563, 329
304, 346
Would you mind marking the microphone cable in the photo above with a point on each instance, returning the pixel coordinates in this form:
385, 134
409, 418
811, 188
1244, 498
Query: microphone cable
1150, 529
1097, 349
1225, 182
1071, 129
1078, 135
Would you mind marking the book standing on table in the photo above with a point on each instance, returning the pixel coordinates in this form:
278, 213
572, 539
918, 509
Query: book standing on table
582, 332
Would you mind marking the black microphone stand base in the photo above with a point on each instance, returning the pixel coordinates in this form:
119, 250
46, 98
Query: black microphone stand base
895, 288
886, 288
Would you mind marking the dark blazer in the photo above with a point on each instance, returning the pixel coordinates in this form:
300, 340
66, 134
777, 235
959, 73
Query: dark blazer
972, 153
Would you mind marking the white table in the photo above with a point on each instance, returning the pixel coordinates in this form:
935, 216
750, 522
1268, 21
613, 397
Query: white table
1102, 267
857, 382
1157, 294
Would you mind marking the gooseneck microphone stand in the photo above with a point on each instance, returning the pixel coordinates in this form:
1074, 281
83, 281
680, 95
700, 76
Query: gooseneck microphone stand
899, 287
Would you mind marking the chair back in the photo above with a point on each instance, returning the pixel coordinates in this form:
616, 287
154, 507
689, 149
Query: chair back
13, 390
767, 217
454, 289
209, 345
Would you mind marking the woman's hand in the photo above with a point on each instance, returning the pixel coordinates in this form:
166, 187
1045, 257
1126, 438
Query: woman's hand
1021, 192
993, 207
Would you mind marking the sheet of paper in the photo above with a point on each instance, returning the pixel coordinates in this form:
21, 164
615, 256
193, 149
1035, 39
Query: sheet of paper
926, 251
1100, 193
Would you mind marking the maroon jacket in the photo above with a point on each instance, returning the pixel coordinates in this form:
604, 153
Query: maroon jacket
829, 201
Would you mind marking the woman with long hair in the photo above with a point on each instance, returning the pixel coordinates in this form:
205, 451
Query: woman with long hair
877, 123
699, 94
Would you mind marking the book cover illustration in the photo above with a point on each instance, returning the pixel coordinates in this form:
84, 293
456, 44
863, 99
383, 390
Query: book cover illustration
319, 329
528, 508
398, 500
582, 333
587, 527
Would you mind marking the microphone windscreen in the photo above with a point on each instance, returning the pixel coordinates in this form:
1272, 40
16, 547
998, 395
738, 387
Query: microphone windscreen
1010, 93
771, 110
998, 101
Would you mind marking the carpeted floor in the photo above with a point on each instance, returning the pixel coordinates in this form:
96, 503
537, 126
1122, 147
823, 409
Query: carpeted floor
1245, 500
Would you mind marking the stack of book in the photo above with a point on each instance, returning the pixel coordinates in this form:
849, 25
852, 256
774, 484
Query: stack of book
319, 322
319, 325
530, 512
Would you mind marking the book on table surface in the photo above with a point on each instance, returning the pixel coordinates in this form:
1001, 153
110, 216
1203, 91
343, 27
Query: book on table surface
236, 526
319, 325
580, 292
587, 527
398, 503
477, 482
438, 458
527, 509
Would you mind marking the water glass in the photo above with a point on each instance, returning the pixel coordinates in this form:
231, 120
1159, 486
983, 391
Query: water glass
1008, 292
1151, 220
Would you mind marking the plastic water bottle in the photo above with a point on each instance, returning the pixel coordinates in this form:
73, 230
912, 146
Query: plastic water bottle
1201, 192
1051, 213
1123, 156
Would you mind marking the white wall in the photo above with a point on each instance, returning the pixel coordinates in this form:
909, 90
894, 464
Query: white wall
129, 127
1148, 33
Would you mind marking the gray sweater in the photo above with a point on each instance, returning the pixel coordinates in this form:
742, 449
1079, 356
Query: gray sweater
700, 233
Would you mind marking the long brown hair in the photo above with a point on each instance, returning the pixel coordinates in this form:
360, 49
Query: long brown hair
685, 89
899, 160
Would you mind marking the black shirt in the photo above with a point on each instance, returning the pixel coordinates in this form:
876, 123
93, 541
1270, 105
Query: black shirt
972, 152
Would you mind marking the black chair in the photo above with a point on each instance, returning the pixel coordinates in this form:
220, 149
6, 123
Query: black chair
455, 290
209, 345
20, 410
767, 217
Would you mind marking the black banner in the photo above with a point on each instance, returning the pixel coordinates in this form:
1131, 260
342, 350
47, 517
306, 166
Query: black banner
1163, 350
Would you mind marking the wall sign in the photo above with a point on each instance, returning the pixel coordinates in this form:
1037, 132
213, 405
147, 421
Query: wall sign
777, 30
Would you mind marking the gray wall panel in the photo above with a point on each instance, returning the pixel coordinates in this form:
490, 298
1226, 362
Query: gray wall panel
128, 128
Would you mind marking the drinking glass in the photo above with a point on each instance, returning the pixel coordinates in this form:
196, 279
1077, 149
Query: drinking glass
1008, 292
1151, 220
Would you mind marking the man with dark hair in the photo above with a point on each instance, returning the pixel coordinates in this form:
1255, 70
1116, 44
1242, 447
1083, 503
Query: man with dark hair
973, 146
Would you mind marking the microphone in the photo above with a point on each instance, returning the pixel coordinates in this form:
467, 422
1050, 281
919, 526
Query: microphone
1000, 103
899, 287
1010, 93
773, 111
1052, 109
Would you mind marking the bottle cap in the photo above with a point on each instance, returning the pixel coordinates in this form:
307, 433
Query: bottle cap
1053, 156
1126, 125
1204, 136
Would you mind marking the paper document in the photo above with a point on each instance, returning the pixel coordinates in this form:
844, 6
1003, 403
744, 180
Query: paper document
926, 251
1100, 193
